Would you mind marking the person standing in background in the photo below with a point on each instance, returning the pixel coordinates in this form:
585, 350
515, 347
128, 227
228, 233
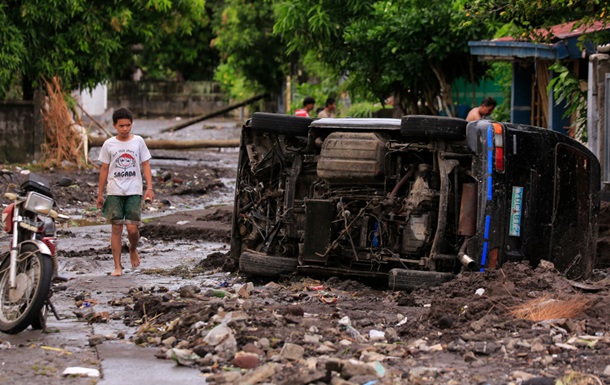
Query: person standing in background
483, 111
329, 110
308, 104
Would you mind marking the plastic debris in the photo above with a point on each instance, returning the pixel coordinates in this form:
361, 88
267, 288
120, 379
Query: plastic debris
379, 368
81, 372
376, 335
328, 299
184, 357
350, 330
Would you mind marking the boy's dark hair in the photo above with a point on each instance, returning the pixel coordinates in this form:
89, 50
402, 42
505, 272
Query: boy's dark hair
308, 100
489, 102
330, 101
121, 113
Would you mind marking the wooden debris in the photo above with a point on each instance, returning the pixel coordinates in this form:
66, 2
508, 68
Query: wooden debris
222, 111
160, 144
65, 139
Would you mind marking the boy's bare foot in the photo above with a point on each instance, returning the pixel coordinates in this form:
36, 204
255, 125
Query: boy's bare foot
116, 273
135, 259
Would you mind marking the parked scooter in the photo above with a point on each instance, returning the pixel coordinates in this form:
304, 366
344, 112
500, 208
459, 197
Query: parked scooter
27, 270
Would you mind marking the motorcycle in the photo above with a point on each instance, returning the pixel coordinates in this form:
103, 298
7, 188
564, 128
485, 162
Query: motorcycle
28, 269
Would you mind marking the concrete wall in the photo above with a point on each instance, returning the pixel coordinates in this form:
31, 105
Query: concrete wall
166, 98
21, 132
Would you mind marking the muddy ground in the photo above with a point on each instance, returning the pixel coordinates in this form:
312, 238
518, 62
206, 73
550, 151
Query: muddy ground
188, 302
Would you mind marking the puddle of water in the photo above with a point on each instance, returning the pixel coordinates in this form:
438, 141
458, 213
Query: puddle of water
83, 221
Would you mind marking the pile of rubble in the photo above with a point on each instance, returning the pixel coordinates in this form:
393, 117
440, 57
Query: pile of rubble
302, 331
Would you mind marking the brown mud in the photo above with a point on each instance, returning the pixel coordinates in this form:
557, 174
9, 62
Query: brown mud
300, 330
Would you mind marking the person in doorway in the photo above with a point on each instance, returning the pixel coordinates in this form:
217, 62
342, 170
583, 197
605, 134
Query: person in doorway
125, 158
329, 109
483, 111
308, 104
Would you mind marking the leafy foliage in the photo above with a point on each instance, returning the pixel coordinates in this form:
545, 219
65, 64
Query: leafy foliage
185, 55
252, 57
521, 17
363, 110
501, 72
322, 84
567, 89
411, 49
87, 42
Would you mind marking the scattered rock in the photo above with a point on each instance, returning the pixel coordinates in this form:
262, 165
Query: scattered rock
260, 374
246, 360
96, 339
245, 290
292, 352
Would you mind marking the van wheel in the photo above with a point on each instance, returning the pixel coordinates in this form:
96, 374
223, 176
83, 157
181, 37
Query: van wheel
280, 124
432, 127
409, 280
251, 263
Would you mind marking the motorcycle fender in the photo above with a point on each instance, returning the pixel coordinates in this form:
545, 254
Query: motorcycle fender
44, 249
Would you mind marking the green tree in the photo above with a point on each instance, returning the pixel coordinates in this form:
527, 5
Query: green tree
521, 17
409, 49
184, 55
253, 59
85, 42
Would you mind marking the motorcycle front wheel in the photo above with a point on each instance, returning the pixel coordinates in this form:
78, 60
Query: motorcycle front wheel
21, 306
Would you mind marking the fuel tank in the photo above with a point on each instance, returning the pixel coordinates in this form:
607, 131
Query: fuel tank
353, 157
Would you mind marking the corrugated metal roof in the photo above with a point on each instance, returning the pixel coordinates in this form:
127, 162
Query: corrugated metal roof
563, 31
562, 44
516, 49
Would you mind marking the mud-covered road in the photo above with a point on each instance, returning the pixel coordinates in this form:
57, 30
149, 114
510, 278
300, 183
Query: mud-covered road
185, 316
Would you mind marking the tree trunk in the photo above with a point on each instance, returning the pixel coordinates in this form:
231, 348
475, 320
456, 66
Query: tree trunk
446, 98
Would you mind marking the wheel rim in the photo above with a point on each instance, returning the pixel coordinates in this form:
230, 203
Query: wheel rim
22, 283
14, 303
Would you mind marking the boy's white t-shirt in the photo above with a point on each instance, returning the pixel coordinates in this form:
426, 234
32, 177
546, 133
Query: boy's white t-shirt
124, 160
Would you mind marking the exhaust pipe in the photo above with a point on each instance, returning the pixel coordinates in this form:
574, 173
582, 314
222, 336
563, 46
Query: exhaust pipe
468, 262
464, 259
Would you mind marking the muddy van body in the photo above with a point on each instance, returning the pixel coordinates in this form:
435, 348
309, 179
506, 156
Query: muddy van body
412, 201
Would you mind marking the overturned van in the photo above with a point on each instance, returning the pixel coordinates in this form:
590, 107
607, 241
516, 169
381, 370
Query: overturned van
413, 200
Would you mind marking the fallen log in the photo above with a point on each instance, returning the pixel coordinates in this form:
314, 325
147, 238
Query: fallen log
96, 141
222, 111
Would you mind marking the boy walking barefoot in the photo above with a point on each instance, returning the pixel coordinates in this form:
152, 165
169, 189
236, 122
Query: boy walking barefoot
125, 158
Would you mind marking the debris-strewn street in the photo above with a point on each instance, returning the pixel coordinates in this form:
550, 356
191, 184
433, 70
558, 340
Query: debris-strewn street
186, 316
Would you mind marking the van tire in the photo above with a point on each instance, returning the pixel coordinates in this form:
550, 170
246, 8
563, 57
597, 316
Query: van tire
280, 124
433, 127
258, 264
409, 280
